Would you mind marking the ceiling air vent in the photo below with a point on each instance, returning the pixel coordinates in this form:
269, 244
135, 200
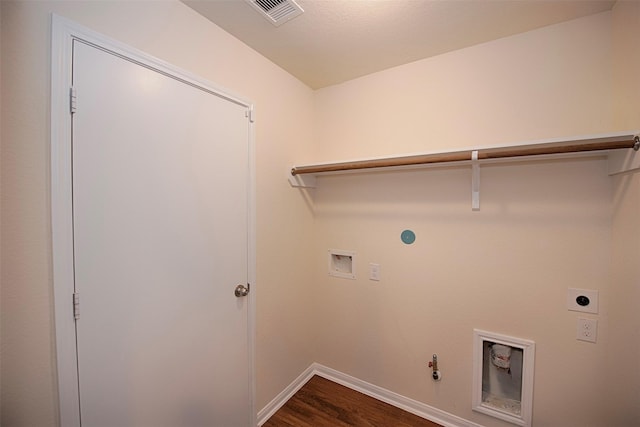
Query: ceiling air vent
276, 11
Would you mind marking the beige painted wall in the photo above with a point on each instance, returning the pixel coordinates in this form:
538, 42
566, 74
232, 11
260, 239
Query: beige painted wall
176, 34
622, 385
543, 227
1, 120
542, 84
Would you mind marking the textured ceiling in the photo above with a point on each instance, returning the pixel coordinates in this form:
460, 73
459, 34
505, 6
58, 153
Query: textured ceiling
337, 40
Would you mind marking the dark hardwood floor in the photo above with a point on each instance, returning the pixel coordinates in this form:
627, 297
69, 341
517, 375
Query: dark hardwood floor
321, 403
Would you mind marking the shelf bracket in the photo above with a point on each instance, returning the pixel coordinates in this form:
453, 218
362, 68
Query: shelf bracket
625, 161
301, 180
475, 181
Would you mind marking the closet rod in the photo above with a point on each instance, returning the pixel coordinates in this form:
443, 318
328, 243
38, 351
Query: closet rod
597, 144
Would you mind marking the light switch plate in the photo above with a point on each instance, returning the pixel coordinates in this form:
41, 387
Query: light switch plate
584, 300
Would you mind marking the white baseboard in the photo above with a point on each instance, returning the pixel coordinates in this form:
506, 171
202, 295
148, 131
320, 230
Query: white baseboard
413, 406
272, 407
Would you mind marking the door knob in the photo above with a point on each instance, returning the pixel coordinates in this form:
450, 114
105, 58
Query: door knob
242, 291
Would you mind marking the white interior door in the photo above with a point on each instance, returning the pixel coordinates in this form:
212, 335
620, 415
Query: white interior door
160, 220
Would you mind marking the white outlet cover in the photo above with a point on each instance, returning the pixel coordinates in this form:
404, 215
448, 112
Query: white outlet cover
374, 272
572, 300
587, 330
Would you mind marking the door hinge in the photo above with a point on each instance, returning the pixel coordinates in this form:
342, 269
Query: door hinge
72, 100
76, 305
251, 115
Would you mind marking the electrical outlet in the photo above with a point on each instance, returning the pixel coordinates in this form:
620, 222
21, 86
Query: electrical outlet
585, 300
374, 272
587, 330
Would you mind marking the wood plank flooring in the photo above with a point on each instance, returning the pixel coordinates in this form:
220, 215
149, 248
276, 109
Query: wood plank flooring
323, 403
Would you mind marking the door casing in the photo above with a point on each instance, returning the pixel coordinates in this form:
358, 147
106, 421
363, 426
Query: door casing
64, 32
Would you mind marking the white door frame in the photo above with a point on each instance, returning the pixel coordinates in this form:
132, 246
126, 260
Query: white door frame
64, 32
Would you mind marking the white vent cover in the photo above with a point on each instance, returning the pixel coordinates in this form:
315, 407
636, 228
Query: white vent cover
277, 11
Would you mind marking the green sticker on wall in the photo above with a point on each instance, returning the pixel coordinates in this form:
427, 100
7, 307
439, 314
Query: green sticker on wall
408, 237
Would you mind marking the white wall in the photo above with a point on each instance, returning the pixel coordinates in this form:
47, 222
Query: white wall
543, 227
622, 383
1, 120
545, 83
174, 33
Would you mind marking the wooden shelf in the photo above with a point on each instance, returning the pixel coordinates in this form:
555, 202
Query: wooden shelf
305, 176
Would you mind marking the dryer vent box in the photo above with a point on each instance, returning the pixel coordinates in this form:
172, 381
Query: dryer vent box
342, 263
